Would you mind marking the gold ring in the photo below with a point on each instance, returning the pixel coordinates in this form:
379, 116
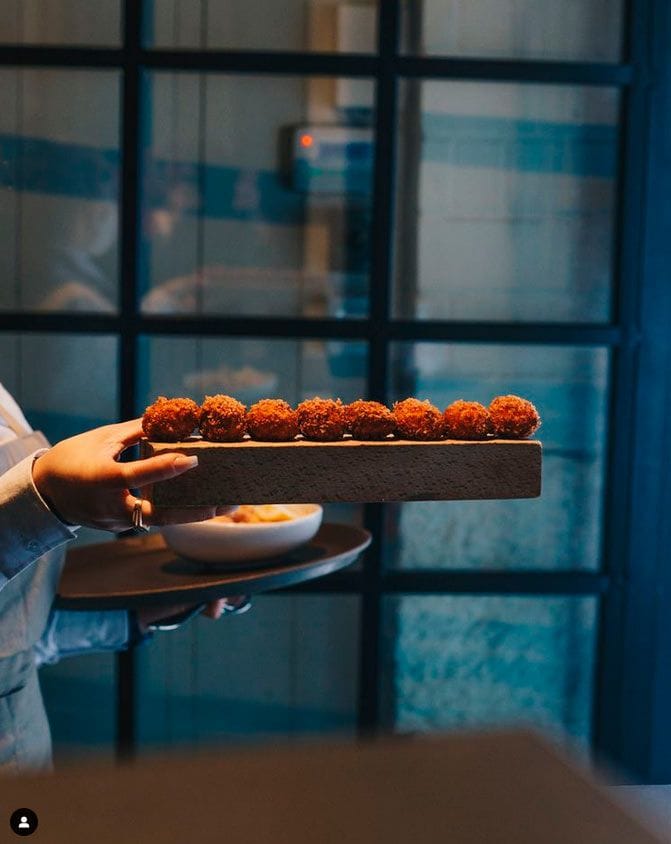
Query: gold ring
138, 524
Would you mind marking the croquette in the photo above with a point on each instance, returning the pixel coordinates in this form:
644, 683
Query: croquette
418, 420
467, 420
369, 420
321, 419
222, 419
513, 417
170, 420
273, 420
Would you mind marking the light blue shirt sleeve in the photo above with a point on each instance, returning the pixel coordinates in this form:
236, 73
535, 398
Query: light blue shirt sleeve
73, 632
28, 528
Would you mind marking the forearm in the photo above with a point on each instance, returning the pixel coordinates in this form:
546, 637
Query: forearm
70, 633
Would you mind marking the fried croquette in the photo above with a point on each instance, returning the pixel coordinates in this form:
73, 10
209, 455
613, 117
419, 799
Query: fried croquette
222, 419
369, 420
170, 420
467, 420
321, 419
273, 420
513, 417
418, 420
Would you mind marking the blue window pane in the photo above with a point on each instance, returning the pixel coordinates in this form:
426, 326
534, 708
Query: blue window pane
506, 202
586, 30
288, 667
459, 661
562, 528
251, 205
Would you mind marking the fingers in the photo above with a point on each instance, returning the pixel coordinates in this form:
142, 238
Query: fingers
215, 609
169, 515
151, 470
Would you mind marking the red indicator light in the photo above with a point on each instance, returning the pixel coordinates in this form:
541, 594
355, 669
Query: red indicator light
307, 140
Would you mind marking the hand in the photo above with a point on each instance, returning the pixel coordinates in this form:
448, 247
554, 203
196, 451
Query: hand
83, 481
214, 610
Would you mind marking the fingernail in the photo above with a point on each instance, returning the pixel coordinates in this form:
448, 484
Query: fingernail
185, 461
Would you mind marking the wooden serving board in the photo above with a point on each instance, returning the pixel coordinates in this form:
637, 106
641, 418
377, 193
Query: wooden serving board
254, 472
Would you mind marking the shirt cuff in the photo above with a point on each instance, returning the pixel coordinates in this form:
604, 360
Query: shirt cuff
28, 528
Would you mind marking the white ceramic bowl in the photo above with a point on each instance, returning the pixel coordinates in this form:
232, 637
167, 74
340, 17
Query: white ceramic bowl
216, 541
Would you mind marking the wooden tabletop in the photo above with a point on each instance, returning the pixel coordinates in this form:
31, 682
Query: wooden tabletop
142, 570
253, 472
507, 788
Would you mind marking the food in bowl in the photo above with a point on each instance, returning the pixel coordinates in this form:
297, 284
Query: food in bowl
257, 513
256, 533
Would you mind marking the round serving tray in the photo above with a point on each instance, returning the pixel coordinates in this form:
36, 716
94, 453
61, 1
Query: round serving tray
143, 570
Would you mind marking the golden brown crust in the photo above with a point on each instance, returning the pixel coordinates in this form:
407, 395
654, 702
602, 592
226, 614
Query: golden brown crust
170, 420
513, 417
418, 420
273, 420
467, 420
369, 420
321, 419
222, 419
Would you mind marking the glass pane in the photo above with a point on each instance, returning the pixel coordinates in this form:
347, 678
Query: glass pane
286, 668
65, 384
506, 202
59, 145
321, 25
61, 22
586, 30
81, 690
257, 204
462, 661
559, 530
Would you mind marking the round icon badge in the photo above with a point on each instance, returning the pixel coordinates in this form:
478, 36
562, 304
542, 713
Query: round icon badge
23, 822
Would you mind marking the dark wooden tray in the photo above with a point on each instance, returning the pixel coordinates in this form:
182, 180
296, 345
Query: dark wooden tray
142, 570
253, 472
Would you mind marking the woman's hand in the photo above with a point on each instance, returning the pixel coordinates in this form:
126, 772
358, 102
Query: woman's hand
214, 610
84, 483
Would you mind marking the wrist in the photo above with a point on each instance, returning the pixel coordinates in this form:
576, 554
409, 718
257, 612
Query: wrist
41, 484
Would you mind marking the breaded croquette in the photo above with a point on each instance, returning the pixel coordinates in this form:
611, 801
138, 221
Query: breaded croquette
222, 419
513, 417
369, 420
273, 420
170, 420
321, 419
418, 420
467, 420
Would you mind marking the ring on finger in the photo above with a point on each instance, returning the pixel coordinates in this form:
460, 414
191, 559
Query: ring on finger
138, 524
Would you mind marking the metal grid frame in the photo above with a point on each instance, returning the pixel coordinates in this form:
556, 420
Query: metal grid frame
623, 336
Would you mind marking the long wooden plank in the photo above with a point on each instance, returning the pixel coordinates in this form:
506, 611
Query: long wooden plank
350, 470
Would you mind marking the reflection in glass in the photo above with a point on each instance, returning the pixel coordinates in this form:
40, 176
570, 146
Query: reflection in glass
65, 384
248, 369
59, 176
463, 661
506, 202
286, 668
255, 204
559, 530
61, 22
586, 30
320, 25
